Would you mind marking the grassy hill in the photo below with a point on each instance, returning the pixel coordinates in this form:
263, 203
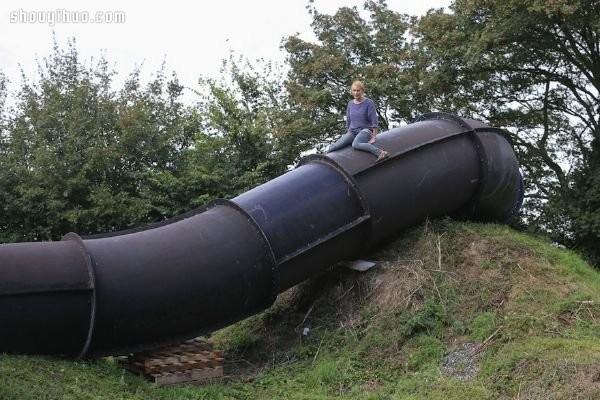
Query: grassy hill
453, 311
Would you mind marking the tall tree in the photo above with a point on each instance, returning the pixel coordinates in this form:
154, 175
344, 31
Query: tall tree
241, 117
4, 173
155, 130
374, 49
533, 67
80, 156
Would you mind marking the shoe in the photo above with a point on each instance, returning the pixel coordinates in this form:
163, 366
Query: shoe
382, 156
322, 149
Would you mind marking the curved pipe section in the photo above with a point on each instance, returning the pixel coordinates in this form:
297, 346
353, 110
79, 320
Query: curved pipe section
139, 289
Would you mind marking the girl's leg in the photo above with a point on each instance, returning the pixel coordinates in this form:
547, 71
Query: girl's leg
361, 142
345, 140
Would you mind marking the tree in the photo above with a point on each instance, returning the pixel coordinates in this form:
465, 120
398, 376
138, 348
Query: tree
349, 47
531, 66
240, 144
79, 156
4, 175
155, 130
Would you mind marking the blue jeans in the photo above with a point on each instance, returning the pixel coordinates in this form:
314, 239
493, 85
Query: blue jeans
359, 141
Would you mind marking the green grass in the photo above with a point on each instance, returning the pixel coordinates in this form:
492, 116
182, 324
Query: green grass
483, 325
533, 310
39, 378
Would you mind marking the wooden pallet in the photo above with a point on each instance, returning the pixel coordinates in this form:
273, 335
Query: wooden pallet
191, 362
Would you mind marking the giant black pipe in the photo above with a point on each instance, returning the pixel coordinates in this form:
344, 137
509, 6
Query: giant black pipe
135, 290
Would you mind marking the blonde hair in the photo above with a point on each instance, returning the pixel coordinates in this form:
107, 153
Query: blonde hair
358, 84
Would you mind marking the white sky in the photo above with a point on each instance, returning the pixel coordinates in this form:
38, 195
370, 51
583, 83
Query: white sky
191, 38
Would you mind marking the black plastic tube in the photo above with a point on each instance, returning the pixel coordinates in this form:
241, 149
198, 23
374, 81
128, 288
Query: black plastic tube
135, 290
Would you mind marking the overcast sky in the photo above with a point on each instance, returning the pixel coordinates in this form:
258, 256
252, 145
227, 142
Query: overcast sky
191, 38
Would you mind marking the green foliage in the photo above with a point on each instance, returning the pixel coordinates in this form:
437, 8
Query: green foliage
483, 325
79, 156
529, 67
348, 48
582, 203
424, 352
430, 318
330, 373
240, 116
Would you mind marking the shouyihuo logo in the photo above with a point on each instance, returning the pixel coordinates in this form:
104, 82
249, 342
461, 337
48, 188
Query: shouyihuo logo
63, 16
